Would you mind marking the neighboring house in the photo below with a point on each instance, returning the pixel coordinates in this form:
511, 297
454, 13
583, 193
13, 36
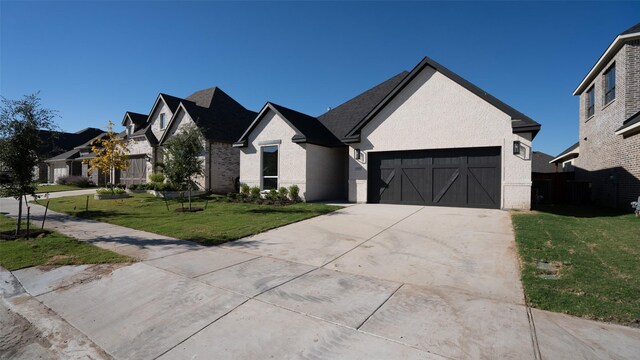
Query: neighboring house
58, 148
423, 137
609, 138
221, 120
565, 160
71, 163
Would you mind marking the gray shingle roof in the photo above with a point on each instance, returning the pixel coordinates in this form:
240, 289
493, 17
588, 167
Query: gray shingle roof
540, 163
634, 29
344, 117
217, 114
68, 155
569, 149
312, 130
171, 101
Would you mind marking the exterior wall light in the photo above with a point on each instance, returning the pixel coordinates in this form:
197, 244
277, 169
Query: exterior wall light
516, 147
358, 154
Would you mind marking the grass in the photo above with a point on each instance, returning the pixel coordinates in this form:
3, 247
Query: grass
51, 249
218, 223
597, 252
55, 188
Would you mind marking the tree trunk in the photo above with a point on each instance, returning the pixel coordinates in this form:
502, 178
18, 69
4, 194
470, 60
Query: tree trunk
189, 195
19, 215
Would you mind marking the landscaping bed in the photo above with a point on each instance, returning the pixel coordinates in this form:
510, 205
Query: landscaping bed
219, 222
581, 261
51, 248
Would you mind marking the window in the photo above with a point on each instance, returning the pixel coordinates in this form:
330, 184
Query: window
591, 100
162, 121
610, 84
269, 167
130, 130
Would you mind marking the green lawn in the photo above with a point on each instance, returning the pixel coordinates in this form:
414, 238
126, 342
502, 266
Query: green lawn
597, 253
219, 223
55, 188
52, 249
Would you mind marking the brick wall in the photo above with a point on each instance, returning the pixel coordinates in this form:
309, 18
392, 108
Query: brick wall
609, 161
224, 167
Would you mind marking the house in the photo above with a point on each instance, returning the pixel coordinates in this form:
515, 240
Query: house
72, 162
221, 120
425, 137
609, 118
565, 161
58, 148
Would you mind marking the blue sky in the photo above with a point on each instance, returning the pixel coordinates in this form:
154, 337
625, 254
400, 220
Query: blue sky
92, 61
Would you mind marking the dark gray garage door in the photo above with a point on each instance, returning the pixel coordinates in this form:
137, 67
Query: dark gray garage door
450, 177
136, 172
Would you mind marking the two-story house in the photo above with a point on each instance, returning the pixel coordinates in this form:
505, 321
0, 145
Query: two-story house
609, 136
220, 118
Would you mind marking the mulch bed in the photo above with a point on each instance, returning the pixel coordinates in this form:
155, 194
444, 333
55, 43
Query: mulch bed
33, 233
193, 209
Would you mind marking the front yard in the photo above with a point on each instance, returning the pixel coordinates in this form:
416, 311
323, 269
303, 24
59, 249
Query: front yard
218, 223
581, 261
51, 249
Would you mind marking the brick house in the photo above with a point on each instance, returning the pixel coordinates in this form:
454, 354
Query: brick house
609, 134
221, 120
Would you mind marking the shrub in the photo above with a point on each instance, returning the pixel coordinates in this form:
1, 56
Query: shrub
134, 186
272, 195
283, 193
294, 192
79, 181
166, 187
232, 196
115, 190
157, 177
255, 191
245, 189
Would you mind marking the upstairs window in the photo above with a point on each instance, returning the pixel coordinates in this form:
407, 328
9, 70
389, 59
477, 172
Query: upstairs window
162, 121
269, 167
591, 100
130, 130
610, 84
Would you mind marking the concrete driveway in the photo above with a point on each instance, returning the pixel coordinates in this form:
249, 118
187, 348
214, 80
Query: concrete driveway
367, 281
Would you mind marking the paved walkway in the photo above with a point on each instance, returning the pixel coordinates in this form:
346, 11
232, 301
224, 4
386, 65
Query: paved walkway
367, 281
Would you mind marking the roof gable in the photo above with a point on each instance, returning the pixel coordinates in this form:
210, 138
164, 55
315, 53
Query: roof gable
137, 119
629, 34
217, 115
308, 128
520, 122
344, 117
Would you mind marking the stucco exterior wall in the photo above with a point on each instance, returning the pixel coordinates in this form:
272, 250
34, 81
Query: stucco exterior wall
224, 165
292, 157
434, 112
609, 161
325, 173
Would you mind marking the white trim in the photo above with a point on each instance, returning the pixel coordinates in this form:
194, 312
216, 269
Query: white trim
627, 130
618, 41
562, 157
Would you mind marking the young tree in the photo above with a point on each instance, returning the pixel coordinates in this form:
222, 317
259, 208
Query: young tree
182, 157
20, 125
111, 154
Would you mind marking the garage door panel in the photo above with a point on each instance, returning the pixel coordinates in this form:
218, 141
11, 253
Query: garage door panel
412, 188
481, 186
448, 177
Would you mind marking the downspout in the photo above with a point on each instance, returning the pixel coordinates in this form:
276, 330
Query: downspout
210, 169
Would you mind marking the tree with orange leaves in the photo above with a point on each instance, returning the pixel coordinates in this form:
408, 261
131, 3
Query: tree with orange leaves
110, 154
